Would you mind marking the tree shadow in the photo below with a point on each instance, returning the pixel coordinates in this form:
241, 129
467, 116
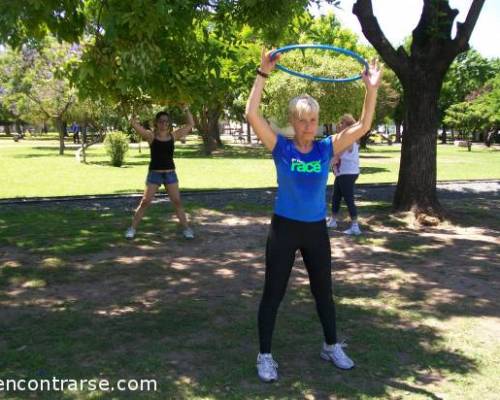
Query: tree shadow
45, 155
184, 313
372, 170
228, 151
371, 156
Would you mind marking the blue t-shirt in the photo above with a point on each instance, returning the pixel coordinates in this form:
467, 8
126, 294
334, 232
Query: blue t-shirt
302, 179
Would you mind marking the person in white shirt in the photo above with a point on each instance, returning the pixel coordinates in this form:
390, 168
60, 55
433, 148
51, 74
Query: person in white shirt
346, 169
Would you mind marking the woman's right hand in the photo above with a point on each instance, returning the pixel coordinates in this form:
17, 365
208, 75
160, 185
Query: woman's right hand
266, 64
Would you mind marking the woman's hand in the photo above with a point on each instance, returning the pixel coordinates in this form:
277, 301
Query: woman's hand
373, 76
266, 64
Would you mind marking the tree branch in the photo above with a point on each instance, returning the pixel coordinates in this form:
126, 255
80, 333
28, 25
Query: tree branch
39, 103
464, 29
398, 61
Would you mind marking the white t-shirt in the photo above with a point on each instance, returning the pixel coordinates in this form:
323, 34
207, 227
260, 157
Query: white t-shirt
349, 161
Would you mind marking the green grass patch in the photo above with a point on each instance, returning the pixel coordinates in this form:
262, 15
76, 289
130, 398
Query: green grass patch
33, 168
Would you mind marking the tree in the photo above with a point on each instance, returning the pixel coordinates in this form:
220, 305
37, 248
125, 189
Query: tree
478, 113
162, 52
421, 73
35, 84
467, 73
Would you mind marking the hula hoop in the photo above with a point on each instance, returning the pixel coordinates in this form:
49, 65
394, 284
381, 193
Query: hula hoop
349, 53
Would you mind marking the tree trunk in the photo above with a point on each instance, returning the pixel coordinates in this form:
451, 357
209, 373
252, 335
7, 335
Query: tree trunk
416, 188
488, 138
213, 126
7, 129
363, 142
19, 128
421, 72
249, 136
207, 123
60, 125
249, 132
443, 135
398, 132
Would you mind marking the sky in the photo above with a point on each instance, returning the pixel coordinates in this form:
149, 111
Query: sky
398, 18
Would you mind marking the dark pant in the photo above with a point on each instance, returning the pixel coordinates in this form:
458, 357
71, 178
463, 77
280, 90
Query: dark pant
286, 236
344, 187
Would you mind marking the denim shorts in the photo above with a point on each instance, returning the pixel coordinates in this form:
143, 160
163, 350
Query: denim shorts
161, 178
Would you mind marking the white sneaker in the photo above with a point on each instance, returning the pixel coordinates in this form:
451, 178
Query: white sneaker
267, 368
335, 354
130, 234
188, 233
353, 230
331, 223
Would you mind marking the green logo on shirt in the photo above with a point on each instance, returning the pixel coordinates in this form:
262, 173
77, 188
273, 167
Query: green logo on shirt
300, 166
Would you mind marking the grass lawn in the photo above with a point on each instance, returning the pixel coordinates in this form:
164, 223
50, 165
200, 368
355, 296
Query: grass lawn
419, 308
33, 168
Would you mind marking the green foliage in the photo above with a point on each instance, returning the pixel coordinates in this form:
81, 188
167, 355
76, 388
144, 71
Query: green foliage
335, 99
468, 73
477, 114
24, 22
117, 144
35, 86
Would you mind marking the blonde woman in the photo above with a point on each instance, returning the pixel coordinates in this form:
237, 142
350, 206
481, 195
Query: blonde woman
346, 170
302, 166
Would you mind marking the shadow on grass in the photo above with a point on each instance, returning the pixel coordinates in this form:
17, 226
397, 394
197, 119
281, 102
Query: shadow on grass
67, 154
372, 170
228, 151
126, 164
371, 156
184, 313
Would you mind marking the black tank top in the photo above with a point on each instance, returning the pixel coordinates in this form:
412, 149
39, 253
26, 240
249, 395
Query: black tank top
162, 154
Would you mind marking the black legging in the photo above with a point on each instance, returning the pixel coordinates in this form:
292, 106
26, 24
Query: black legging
344, 187
285, 237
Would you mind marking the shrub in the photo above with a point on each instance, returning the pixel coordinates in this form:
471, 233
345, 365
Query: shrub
116, 146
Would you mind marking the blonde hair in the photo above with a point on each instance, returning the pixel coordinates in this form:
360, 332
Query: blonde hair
301, 105
347, 120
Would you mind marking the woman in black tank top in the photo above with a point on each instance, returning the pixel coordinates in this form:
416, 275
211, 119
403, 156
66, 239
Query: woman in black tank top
162, 168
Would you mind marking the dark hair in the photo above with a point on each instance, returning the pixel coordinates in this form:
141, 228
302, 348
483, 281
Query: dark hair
160, 114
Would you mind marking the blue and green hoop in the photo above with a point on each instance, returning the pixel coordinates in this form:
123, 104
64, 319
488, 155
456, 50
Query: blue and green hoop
346, 52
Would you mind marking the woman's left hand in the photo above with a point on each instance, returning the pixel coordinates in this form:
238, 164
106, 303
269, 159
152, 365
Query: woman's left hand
373, 76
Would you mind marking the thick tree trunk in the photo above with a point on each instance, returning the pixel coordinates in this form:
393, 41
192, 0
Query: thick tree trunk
421, 72
213, 126
207, 123
416, 189
7, 129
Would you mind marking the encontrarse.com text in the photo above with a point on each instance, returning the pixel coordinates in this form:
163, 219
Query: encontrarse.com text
57, 384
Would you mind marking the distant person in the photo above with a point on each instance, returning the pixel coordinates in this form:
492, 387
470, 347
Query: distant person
162, 168
346, 169
75, 128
